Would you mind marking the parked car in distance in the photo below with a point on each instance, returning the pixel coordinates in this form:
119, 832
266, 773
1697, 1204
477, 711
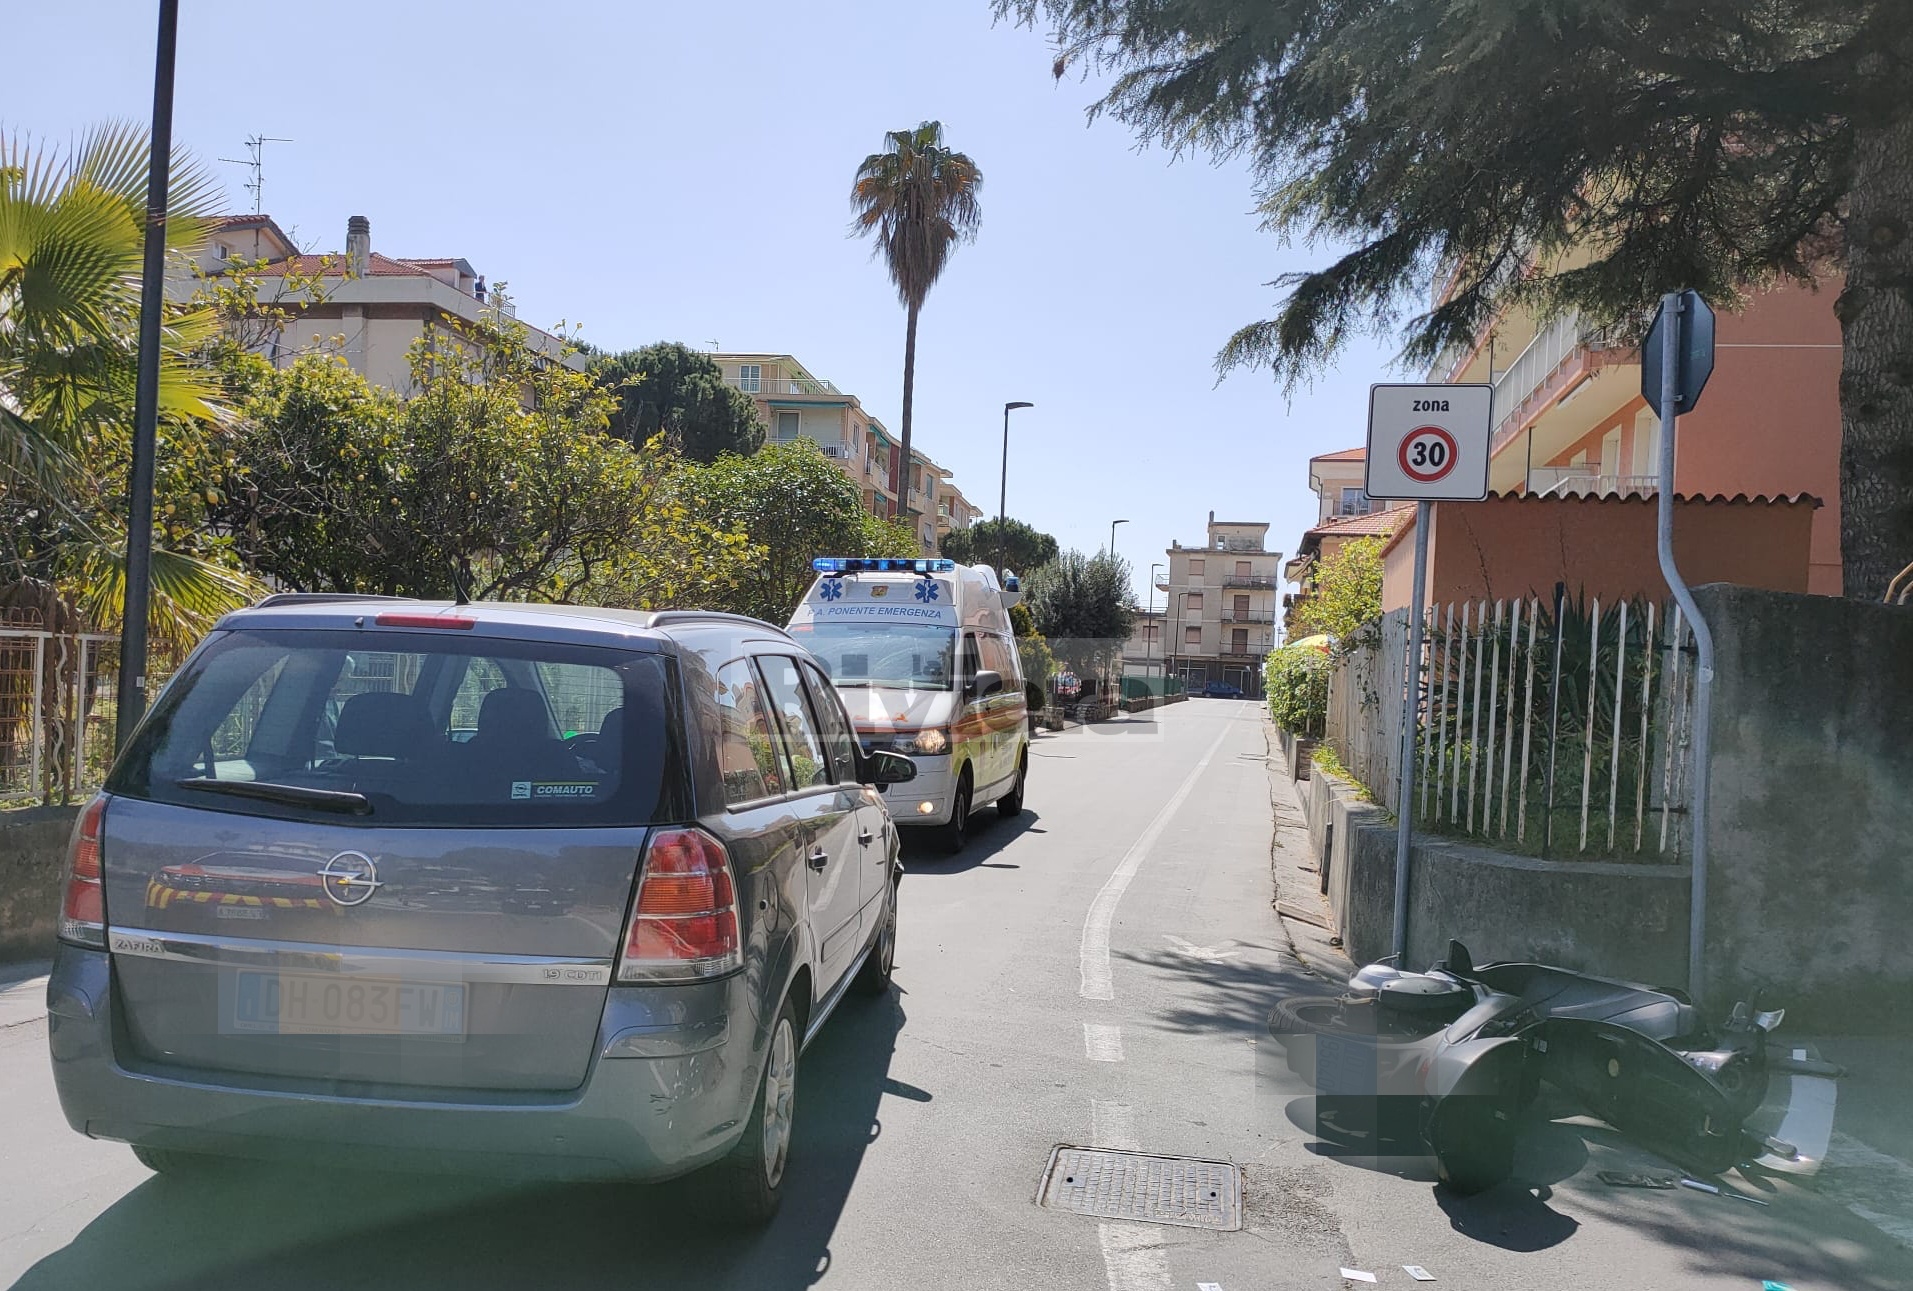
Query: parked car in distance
1220, 690
527, 889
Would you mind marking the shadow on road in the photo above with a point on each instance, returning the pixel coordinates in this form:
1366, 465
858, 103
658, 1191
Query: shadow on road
990, 835
1234, 990
259, 1227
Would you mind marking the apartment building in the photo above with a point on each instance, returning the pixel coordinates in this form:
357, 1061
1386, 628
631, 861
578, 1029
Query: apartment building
1221, 605
1337, 480
365, 305
797, 404
1569, 418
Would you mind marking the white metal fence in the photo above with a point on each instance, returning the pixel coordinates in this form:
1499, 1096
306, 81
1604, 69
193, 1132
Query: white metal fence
56, 713
1552, 727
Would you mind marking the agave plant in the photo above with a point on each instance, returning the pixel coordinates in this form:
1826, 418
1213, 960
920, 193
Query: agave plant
71, 241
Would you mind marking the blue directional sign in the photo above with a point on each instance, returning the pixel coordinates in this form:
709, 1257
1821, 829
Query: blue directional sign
1696, 347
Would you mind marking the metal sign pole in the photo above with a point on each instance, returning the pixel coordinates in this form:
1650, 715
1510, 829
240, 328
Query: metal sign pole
1673, 306
1411, 706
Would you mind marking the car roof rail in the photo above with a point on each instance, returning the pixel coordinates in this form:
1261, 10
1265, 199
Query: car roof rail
322, 598
663, 618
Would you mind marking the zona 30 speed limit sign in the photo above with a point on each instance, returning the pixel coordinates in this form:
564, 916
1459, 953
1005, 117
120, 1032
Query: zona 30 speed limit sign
1428, 443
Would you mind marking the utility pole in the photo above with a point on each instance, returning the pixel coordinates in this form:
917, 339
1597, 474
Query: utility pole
139, 517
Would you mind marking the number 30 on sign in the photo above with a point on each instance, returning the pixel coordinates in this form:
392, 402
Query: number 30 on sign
1428, 442
1427, 455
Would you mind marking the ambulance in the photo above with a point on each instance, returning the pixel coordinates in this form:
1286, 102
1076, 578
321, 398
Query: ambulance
923, 653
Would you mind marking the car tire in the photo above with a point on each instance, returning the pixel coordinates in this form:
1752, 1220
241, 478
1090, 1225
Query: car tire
952, 837
749, 1181
1010, 805
874, 977
170, 1161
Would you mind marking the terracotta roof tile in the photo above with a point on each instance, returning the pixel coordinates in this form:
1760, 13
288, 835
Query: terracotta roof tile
1346, 455
1375, 522
379, 266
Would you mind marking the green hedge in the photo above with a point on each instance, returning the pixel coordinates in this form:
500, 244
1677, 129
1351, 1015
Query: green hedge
1296, 678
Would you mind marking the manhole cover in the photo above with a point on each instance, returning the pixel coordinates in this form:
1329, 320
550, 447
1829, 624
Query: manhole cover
1155, 1190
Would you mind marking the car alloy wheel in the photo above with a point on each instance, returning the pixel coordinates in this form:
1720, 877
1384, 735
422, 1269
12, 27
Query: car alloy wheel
780, 1099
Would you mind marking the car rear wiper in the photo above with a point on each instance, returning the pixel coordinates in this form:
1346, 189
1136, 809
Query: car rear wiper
341, 800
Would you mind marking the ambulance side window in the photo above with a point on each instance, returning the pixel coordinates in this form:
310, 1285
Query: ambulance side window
1000, 659
972, 659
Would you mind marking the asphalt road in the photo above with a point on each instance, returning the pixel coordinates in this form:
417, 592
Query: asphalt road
925, 1121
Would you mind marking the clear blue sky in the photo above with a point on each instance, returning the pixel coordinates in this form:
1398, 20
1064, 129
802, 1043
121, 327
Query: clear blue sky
666, 171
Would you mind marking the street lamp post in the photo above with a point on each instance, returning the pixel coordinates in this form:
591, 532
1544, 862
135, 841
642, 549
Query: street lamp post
1152, 614
139, 510
1003, 488
1182, 599
1112, 536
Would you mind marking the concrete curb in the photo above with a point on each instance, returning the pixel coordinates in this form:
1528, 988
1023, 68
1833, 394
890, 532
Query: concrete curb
1292, 867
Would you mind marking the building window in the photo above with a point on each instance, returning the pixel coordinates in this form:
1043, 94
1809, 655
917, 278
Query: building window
750, 377
1239, 641
1242, 569
1354, 503
1192, 636
1194, 602
1195, 567
1242, 607
789, 426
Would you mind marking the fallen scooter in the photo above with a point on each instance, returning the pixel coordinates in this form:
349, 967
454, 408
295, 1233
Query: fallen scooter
1448, 1059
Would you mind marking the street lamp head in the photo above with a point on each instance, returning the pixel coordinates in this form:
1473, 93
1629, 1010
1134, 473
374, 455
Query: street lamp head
1017, 404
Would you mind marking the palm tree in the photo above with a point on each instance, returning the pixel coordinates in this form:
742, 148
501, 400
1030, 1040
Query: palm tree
919, 197
71, 238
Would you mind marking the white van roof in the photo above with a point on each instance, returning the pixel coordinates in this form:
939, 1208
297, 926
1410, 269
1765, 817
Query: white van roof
928, 591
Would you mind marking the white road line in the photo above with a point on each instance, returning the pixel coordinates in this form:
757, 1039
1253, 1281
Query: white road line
1103, 1043
1876, 1187
1113, 1125
1097, 983
1134, 1258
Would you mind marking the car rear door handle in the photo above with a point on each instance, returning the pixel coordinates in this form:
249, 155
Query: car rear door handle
818, 859
864, 836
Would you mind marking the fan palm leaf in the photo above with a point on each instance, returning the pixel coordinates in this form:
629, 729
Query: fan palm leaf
72, 236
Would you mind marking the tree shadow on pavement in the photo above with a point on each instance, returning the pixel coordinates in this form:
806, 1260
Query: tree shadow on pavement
1233, 993
254, 1227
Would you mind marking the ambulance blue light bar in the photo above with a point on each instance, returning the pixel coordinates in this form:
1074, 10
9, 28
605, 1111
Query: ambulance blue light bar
879, 565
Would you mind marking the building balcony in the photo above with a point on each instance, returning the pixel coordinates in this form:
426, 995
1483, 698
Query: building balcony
1578, 481
775, 385
1248, 616
1249, 580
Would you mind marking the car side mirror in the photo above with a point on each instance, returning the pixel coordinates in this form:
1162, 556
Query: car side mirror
882, 767
986, 683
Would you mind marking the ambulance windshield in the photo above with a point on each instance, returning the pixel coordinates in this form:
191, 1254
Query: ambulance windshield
890, 656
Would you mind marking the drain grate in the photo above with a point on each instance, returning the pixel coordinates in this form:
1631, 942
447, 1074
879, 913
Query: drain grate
1155, 1190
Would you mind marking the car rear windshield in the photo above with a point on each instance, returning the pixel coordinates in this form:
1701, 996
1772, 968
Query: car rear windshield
410, 729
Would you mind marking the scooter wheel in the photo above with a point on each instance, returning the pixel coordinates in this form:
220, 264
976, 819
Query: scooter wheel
1307, 1015
1472, 1144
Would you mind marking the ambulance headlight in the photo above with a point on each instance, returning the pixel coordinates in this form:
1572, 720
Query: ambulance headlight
929, 742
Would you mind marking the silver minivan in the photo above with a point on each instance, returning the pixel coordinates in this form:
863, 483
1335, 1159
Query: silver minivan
540, 890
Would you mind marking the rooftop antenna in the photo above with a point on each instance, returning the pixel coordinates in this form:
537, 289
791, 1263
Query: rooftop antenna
256, 160
714, 346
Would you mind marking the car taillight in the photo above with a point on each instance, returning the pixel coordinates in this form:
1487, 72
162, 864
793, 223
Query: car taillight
83, 903
684, 922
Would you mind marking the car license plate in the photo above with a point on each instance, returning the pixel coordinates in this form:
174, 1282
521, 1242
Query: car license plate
296, 1004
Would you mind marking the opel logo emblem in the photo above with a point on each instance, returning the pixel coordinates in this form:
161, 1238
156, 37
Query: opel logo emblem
350, 878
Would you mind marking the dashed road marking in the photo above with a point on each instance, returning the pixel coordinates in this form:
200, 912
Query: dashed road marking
1103, 1043
1113, 1125
1096, 981
1134, 1257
